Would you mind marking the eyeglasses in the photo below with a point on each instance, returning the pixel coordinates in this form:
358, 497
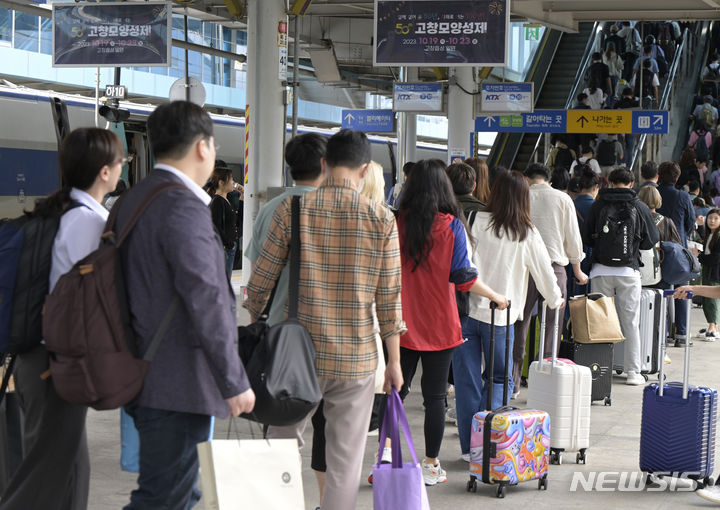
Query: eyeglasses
217, 147
122, 161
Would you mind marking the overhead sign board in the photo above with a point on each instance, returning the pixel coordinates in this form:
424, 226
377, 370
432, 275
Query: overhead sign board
111, 34
578, 121
370, 121
449, 33
507, 97
418, 97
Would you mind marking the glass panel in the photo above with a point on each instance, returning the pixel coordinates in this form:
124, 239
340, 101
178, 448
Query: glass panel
26, 31
195, 68
46, 36
5, 26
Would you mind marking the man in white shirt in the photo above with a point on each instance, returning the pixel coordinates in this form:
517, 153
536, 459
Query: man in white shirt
587, 157
553, 213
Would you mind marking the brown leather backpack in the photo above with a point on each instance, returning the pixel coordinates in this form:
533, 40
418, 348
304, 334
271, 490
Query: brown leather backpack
86, 324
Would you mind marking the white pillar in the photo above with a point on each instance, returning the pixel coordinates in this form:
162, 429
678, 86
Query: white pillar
266, 111
460, 110
410, 139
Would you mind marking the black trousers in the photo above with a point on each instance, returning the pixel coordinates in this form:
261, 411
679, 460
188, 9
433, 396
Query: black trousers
55, 472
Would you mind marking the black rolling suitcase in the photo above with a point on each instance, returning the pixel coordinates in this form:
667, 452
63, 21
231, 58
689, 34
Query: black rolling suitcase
599, 358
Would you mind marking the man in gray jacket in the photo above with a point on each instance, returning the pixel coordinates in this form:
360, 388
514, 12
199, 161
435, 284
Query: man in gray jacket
173, 251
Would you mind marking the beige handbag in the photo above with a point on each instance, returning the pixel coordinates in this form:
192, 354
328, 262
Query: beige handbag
594, 319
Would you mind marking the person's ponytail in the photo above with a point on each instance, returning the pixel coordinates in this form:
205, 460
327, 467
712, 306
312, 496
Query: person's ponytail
52, 205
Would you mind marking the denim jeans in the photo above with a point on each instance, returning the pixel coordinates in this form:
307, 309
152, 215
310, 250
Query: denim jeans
230, 259
168, 458
470, 388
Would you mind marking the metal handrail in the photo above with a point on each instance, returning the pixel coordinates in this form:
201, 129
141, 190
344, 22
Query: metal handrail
666, 94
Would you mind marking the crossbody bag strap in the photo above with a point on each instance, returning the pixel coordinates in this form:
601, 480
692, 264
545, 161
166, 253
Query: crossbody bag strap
294, 283
162, 329
139, 209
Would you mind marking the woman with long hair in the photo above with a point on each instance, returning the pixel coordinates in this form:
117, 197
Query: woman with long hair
224, 216
482, 179
55, 471
615, 67
435, 261
507, 248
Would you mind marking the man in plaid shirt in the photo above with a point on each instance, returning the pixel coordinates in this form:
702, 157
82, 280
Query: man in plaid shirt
350, 258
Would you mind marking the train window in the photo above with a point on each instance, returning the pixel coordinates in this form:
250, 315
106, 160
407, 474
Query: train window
46, 36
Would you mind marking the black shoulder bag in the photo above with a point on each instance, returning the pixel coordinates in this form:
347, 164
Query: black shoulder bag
281, 368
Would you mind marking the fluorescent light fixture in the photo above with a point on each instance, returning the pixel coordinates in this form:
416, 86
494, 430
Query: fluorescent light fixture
325, 64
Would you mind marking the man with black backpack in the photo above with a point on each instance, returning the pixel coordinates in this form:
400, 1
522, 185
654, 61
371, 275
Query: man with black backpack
646, 86
561, 156
618, 226
609, 154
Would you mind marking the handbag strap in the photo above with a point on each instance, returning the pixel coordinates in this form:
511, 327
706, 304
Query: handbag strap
293, 293
394, 415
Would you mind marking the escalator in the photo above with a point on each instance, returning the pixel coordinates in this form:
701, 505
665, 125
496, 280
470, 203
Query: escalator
555, 69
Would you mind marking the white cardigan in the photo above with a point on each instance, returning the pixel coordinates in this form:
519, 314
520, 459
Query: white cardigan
504, 265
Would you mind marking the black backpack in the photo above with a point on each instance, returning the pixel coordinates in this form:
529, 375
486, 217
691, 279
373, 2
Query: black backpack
617, 233
563, 159
702, 153
606, 154
647, 86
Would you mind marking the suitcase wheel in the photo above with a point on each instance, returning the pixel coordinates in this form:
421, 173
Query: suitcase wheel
500, 491
556, 457
618, 372
708, 481
581, 457
608, 401
543, 483
471, 485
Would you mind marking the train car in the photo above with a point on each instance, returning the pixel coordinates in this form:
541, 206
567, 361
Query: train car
34, 120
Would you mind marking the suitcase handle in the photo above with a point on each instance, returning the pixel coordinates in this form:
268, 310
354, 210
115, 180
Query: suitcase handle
541, 357
667, 295
491, 361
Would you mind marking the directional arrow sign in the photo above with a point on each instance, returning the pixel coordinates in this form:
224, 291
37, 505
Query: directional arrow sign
657, 120
490, 121
582, 120
650, 122
371, 121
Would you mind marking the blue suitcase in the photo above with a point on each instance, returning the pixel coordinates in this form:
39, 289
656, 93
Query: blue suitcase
677, 435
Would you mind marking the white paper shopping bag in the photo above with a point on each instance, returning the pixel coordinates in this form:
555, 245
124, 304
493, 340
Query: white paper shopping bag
251, 474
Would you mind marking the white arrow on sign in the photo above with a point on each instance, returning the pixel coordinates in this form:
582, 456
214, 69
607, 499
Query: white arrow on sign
657, 119
349, 117
489, 121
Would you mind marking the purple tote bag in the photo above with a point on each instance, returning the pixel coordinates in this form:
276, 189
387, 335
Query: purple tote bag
398, 486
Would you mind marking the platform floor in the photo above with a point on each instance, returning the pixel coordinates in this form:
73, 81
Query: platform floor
615, 437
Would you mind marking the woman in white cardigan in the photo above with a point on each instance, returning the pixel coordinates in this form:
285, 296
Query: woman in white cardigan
506, 248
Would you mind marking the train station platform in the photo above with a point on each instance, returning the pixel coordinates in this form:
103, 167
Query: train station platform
612, 459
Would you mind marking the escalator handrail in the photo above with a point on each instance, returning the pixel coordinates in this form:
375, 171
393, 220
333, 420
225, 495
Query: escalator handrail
665, 98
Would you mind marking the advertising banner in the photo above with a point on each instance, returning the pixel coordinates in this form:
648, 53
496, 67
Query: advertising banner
111, 34
449, 33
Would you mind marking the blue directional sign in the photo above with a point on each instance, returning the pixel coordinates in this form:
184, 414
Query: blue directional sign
651, 122
540, 121
372, 121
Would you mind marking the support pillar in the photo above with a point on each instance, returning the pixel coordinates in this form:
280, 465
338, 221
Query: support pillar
410, 140
265, 113
460, 110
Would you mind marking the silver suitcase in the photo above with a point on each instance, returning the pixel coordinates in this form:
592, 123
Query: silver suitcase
653, 319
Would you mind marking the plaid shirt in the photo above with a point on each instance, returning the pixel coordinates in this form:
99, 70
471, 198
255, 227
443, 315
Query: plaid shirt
350, 258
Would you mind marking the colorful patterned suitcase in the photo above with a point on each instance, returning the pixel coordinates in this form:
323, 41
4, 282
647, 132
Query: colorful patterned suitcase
677, 434
508, 445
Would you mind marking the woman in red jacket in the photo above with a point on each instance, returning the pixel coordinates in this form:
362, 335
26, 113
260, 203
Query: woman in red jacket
435, 262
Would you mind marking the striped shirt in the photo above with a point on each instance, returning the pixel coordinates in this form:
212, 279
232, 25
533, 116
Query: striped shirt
350, 258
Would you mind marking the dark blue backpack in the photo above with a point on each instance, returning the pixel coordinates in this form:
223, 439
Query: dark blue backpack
11, 243
678, 264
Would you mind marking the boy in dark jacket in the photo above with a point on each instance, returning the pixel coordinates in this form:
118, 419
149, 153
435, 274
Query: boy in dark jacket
618, 226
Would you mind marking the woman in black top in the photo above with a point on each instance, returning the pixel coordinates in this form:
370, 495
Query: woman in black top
223, 214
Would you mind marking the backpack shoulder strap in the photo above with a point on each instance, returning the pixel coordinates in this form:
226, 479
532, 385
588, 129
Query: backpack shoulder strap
294, 290
471, 218
139, 210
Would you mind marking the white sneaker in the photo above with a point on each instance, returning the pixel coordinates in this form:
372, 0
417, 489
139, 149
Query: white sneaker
667, 359
710, 336
635, 379
465, 457
450, 390
514, 395
433, 474
451, 415
710, 494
